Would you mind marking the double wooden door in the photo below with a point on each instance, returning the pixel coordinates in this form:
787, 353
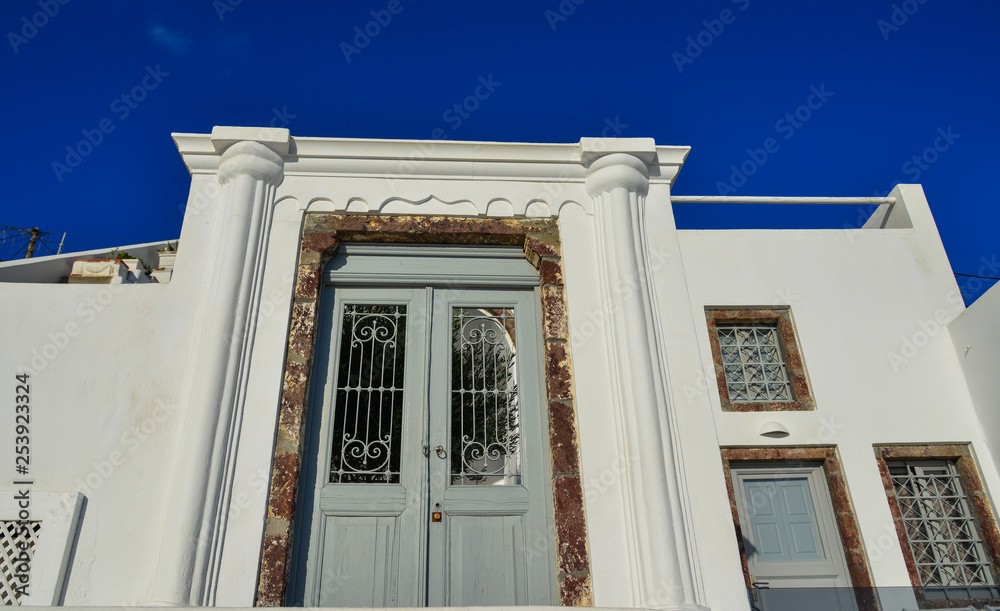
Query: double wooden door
431, 473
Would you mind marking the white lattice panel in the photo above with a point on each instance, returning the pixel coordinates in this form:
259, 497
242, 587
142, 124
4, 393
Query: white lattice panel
12, 535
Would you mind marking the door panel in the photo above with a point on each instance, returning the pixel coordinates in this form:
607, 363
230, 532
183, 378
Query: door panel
485, 383
366, 577
486, 560
369, 472
783, 520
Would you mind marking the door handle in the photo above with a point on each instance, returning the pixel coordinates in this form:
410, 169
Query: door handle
440, 452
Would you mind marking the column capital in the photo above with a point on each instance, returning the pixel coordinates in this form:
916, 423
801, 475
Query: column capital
617, 171
252, 158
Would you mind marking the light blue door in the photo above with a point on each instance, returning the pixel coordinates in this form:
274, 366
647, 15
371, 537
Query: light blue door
794, 552
783, 520
431, 476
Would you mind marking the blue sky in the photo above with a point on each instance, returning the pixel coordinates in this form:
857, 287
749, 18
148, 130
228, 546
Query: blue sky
855, 95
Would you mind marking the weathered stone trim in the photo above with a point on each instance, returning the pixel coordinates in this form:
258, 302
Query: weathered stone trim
843, 509
321, 236
789, 349
961, 454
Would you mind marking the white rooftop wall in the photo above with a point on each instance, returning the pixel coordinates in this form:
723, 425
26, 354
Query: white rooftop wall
976, 337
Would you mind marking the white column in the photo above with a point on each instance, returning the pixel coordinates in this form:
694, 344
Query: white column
659, 549
249, 173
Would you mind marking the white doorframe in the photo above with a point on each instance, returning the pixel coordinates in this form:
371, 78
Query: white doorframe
824, 578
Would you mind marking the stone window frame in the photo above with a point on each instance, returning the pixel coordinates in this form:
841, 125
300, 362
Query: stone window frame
982, 510
843, 509
321, 235
790, 351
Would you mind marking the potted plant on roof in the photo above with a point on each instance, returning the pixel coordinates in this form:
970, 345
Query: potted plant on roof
136, 265
167, 256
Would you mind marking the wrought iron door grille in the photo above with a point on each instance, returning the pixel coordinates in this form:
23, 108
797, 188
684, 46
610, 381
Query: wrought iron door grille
485, 432
368, 413
752, 360
12, 536
949, 554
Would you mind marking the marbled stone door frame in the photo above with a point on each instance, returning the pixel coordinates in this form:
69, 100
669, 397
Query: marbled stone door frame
322, 233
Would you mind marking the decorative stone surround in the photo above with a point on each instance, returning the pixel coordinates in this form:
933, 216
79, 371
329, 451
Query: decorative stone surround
789, 350
978, 500
843, 509
321, 236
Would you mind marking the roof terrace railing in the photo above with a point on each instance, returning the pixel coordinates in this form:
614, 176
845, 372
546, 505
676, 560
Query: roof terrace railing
753, 199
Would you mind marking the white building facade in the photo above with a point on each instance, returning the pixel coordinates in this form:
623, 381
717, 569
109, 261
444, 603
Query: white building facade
407, 373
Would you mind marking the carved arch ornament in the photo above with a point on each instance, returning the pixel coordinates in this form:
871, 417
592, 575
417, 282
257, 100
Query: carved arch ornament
433, 204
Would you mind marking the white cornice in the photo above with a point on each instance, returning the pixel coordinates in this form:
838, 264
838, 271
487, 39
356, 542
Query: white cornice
439, 158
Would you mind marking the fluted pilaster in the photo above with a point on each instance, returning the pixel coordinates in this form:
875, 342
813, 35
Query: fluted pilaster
249, 172
659, 548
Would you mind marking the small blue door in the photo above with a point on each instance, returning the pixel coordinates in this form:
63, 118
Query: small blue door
794, 551
783, 520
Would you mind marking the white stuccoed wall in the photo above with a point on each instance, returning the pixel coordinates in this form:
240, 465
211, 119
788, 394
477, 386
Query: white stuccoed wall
854, 294
106, 409
976, 337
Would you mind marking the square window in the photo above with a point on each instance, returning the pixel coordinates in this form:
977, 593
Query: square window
941, 528
752, 362
757, 360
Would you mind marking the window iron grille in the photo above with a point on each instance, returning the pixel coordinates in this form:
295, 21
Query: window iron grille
948, 551
13, 535
485, 433
754, 366
368, 410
